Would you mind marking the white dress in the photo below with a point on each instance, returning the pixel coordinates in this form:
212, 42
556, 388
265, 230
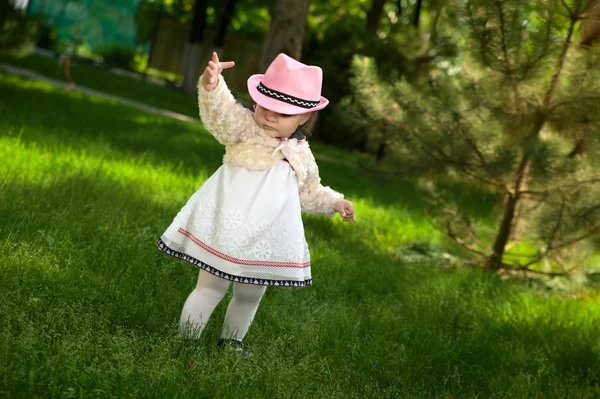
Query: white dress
245, 226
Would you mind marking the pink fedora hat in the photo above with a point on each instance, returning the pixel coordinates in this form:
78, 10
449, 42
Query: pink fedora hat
288, 87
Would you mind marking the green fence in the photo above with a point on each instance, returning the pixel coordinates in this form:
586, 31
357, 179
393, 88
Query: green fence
99, 23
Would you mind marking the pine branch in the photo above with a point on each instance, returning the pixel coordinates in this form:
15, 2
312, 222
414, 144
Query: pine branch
530, 192
484, 164
426, 57
564, 3
590, 211
592, 99
559, 263
509, 246
447, 159
551, 274
522, 174
422, 56
529, 66
463, 167
519, 33
502, 111
556, 226
481, 34
452, 234
560, 63
470, 231
582, 237
503, 34
497, 182
395, 172
512, 244
577, 183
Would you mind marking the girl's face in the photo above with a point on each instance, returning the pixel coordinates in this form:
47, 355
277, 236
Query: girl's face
276, 124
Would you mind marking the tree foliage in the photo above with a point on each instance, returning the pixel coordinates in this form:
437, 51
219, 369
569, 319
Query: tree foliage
503, 116
250, 19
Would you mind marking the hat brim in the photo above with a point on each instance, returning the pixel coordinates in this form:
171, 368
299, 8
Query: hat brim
277, 105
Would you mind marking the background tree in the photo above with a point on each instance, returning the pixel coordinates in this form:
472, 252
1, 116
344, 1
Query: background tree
18, 32
590, 34
591, 24
193, 48
225, 15
286, 34
374, 15
400, 50
503, 118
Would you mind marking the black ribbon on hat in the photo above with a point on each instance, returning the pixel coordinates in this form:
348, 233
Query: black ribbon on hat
286, 98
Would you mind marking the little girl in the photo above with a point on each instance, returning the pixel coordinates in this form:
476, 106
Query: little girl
244, 224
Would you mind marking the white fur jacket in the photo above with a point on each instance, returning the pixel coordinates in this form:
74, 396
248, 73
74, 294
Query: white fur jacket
249, 146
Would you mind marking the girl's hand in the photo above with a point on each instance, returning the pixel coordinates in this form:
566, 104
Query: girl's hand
346, 210
210, 77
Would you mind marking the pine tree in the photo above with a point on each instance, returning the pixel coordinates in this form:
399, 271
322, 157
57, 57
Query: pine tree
505, 116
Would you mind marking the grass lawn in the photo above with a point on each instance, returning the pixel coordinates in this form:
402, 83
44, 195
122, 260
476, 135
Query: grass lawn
89, 306
106, 81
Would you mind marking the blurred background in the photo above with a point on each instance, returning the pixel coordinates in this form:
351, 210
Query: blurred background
163, 39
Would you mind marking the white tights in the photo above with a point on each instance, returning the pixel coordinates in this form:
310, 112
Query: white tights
209, 291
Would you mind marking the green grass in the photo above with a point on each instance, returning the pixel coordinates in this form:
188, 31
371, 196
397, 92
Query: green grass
103, 80
89, 306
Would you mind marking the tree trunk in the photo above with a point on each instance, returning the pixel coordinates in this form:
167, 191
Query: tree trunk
225, 19
192, 50
3, 12
374, 15
578, 149
417, 16
510, 210
286, 34
494, 262
380, 153
154, 37
395, 26
590, 34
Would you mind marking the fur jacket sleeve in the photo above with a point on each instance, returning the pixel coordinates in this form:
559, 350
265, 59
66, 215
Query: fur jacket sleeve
227, 120
314, 197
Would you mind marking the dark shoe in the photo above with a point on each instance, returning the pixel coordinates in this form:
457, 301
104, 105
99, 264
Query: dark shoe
233, 345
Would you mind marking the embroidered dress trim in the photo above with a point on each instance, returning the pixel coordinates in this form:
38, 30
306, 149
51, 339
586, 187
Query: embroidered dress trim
240, 261
277, 95
245, 280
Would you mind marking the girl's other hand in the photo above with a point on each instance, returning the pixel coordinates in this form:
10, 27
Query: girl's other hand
210, 77
346, 210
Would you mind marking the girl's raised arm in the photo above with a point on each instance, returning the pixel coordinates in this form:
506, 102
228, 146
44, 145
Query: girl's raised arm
227, 120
